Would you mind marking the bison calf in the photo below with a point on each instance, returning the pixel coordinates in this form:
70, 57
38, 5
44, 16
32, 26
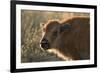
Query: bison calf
69, 40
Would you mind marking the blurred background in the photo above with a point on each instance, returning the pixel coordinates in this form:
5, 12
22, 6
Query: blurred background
31, 33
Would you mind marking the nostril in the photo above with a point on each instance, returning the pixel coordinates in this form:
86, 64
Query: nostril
44, 41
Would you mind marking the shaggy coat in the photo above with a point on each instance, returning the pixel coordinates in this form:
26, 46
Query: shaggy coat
69, 40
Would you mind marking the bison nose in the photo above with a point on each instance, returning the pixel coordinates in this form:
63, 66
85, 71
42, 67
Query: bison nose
44, 44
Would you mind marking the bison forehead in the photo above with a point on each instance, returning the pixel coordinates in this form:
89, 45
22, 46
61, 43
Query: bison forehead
51, 24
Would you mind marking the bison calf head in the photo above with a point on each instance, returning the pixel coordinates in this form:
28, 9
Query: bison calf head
51, 31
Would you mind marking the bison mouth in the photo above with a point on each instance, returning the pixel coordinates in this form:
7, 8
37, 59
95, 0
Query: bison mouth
45, 46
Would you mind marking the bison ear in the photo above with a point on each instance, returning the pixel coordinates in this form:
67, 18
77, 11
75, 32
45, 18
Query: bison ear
65, 27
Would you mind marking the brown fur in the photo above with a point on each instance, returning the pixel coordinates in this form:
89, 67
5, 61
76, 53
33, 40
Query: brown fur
72, 44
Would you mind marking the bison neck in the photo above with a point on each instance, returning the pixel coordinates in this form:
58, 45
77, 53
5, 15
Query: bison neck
67, 48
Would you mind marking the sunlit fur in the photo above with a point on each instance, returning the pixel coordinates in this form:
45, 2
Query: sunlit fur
72, 44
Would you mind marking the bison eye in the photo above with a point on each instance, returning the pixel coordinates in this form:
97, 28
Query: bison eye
55, 33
